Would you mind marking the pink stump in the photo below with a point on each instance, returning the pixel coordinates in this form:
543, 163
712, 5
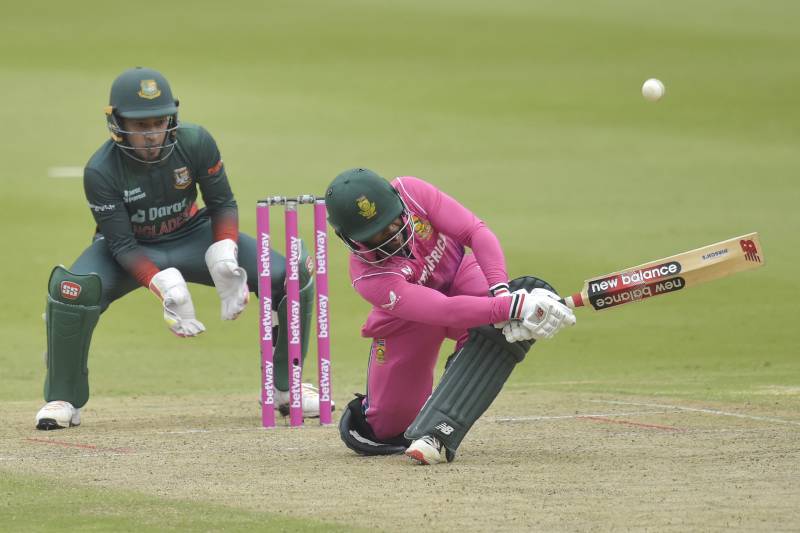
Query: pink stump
265, 314
323, 330
293, 315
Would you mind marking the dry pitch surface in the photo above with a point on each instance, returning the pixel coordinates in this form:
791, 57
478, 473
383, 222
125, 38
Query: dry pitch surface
535, 461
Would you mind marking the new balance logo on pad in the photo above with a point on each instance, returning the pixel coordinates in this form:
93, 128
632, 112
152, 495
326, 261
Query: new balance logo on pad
444, 428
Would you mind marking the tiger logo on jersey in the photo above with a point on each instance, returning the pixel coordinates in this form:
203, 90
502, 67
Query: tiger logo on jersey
422, 227
182, 178
366, 208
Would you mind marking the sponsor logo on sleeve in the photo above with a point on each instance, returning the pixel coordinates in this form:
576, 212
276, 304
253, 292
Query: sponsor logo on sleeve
393, 299
100, 208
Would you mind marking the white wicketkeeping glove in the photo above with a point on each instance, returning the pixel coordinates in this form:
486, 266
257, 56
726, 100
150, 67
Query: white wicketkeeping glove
229, 278
537, 315
171, 288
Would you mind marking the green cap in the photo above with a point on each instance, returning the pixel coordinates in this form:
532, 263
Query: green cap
361, 204
142, 93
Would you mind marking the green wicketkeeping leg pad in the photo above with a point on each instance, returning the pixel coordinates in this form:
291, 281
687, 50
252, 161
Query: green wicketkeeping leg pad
307, 303
73, 308
473, 379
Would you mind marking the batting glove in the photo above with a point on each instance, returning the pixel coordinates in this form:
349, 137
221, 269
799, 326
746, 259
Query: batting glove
514, 331
541, 313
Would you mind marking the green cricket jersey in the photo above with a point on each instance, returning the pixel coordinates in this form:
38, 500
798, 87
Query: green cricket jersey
134, 202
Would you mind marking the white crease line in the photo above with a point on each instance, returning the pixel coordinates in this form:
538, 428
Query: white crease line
565, 417
221, 430
231, 430
65, 172
99, 455
702, 410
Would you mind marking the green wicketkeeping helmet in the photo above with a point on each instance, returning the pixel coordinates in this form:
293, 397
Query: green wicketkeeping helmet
141, 93
361, 204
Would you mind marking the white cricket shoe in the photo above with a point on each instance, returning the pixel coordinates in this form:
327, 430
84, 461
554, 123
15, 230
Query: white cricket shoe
427, 450
58, 415
310, 401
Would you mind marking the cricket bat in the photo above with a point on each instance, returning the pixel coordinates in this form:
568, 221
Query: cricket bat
670, 274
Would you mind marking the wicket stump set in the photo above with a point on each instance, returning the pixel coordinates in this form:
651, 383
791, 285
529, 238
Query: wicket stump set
293, 253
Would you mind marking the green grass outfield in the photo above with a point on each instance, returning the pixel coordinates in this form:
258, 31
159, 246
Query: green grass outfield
70, 508
527, 112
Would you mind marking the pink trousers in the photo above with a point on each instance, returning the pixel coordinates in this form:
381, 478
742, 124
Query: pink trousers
403, 358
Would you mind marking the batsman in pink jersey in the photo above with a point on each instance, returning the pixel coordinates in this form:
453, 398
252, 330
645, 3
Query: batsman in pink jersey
409, 259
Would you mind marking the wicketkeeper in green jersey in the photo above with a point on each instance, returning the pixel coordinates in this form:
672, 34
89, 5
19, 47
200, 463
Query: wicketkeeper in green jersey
141, 186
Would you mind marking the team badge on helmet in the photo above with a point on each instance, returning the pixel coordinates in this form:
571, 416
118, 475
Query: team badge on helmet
366, 208
182, 178
149, 89
360, 205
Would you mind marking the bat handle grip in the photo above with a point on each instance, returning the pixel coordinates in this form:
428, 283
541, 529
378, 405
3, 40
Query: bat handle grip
576, 300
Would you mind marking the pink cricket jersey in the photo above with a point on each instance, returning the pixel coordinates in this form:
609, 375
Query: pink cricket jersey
418, 289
